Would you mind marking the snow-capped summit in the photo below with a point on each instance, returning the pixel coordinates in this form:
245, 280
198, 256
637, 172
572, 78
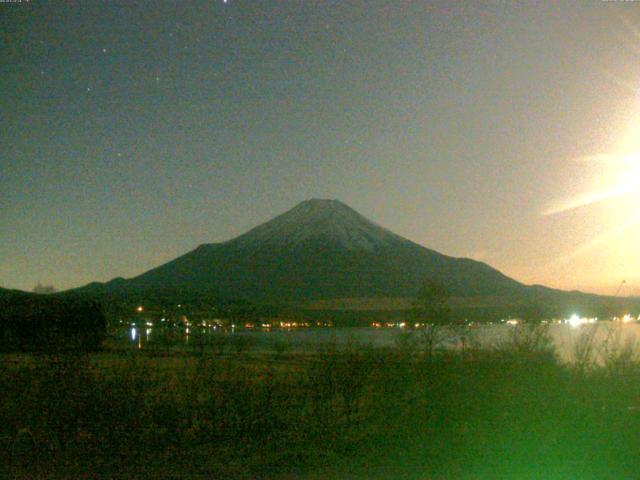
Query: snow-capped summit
323, 220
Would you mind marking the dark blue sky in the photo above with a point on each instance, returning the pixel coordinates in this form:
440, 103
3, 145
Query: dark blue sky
134, 131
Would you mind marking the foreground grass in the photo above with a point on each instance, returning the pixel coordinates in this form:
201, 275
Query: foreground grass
506, 413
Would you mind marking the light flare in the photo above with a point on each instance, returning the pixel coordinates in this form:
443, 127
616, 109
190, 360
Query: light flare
628, 182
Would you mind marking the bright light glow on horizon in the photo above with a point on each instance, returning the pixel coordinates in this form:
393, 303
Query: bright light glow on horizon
610, 185
574, 320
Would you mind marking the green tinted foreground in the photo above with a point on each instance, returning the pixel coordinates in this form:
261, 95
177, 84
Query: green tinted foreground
501, 414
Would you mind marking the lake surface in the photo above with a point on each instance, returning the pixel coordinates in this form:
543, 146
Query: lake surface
602, 337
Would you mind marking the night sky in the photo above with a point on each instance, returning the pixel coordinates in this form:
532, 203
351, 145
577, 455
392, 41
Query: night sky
506, 132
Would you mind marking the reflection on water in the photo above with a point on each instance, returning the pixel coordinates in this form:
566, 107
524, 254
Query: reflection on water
566, 337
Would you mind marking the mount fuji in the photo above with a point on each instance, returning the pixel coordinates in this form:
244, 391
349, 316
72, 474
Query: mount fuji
320, 249
323, 255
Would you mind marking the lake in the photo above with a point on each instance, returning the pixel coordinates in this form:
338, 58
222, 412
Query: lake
604, 336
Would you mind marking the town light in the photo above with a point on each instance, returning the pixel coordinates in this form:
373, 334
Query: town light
575, 320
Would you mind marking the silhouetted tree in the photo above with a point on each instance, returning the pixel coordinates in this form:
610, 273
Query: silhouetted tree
430, 310
531, 337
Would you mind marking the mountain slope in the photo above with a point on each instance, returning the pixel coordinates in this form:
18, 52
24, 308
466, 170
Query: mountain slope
319, 249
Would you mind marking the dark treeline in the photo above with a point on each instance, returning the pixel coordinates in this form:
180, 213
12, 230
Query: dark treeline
31, 322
